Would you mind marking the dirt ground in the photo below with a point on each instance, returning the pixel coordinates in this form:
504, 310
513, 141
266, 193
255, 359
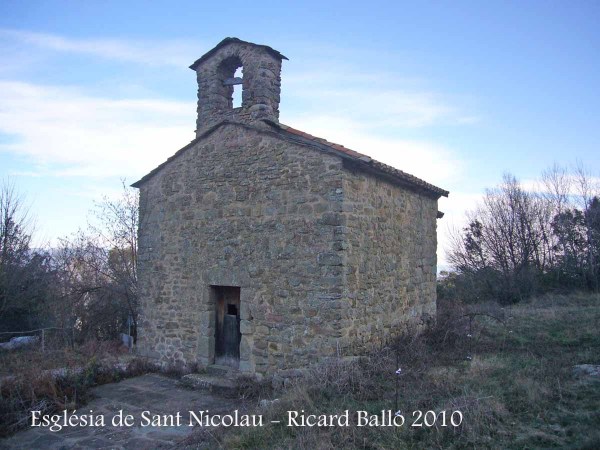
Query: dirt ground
156, 394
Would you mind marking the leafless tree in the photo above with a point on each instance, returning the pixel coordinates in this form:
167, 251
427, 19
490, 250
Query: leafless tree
25, 283
99, 266
521, 240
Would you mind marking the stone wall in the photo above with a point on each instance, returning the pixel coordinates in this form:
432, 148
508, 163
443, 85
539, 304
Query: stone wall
390, 276
242, 208
329, 260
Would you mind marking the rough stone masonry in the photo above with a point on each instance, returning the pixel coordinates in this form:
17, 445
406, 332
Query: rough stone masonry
269, 249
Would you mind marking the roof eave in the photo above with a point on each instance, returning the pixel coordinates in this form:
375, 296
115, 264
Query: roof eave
360, 160
232, 40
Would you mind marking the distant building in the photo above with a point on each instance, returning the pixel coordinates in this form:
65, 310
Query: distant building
268, 249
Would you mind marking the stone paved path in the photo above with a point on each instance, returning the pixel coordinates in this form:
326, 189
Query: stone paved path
155, 393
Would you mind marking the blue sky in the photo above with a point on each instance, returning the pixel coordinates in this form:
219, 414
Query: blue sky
454, 92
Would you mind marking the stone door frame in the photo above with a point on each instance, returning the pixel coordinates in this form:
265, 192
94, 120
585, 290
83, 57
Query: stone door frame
207, 307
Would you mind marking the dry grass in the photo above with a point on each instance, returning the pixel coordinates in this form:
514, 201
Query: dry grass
516, 391
30, 384
17, 361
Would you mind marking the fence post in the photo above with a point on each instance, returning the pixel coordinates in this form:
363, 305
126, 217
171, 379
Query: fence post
43, 340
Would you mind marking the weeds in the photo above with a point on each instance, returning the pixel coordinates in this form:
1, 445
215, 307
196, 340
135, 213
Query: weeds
17, 361
34, 388
516, 391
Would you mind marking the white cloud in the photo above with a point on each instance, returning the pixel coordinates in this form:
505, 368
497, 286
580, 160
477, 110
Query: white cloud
179, 53
387, 108
76, 134
70, 133
380, 100
65, 131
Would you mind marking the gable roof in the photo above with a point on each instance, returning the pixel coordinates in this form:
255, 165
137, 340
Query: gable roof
359, 160
232, 40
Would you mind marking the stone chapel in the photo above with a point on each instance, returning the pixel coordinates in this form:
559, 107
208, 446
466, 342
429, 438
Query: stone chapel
267, 249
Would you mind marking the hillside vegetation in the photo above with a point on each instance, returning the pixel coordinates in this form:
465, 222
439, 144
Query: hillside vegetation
513, 380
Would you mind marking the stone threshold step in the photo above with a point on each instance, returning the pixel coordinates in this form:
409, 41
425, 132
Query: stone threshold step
217, 384
220, 370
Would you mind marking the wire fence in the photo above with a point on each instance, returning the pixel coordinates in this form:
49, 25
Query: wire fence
46, 339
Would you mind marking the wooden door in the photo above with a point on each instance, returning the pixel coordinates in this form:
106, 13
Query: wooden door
227, 330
